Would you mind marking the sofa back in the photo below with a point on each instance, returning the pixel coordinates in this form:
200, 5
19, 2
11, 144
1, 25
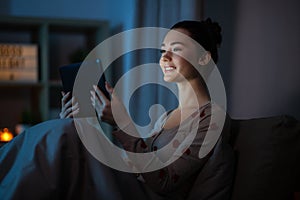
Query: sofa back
267, 158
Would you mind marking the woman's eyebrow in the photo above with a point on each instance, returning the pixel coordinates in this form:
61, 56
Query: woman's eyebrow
173, 43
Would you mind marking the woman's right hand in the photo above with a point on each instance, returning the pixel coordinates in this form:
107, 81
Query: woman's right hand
69, 106
102, 104
105, 107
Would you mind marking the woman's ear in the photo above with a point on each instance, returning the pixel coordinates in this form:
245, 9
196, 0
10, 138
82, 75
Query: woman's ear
204, 59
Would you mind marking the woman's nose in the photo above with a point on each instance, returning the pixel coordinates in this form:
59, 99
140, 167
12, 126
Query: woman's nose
167, 55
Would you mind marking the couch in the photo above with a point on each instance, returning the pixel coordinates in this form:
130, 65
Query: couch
268, 158
267, 161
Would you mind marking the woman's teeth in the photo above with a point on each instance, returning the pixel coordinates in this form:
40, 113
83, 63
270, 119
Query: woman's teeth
170, 68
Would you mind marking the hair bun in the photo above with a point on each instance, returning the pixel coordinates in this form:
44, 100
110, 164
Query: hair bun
215, 29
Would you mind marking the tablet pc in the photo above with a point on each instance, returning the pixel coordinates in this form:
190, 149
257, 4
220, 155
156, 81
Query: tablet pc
68, 75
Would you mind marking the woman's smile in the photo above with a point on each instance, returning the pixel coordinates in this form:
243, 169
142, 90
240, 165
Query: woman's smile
169, 68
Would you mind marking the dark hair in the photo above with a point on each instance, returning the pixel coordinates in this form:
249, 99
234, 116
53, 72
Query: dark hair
206, 33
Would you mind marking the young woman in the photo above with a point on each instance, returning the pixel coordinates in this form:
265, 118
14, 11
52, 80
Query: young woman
182, 62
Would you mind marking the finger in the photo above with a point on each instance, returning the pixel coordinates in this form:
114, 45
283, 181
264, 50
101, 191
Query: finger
64, 114
65, 97
74, 101
93, 101
69, 103
73, 113
97, 105
61, 115
70, 110
109, 88
100, 95
95, 97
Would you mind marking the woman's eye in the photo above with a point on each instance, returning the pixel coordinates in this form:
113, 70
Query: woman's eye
176, 49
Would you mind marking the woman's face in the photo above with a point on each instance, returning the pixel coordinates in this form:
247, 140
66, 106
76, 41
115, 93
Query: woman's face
178, 55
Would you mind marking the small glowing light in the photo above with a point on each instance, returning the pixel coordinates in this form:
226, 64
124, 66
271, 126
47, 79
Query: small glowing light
6, 135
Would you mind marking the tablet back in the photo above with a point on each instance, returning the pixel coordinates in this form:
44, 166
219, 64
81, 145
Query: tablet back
68, 75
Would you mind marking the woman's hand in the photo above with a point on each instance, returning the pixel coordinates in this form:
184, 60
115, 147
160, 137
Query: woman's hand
69, 107
102, 104
112, 112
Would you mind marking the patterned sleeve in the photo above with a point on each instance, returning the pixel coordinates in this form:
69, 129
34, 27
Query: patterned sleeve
132, 143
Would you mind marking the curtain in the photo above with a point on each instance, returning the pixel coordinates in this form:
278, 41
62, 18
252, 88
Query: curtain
150, 100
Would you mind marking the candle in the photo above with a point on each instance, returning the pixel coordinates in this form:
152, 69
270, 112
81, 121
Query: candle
6, 135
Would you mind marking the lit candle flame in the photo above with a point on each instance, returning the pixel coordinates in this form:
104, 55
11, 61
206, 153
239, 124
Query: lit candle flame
6, 135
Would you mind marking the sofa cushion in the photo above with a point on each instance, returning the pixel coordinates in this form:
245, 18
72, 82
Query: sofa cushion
267, 151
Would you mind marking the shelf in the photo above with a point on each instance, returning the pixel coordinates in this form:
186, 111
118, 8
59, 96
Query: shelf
57, 39
4, 84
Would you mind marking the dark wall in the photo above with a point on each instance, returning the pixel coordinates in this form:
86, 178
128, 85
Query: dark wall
259, 56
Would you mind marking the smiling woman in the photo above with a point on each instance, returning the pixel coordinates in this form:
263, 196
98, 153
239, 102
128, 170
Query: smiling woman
188, 52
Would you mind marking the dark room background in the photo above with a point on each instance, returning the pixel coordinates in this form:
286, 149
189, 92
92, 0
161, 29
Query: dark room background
258, 57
